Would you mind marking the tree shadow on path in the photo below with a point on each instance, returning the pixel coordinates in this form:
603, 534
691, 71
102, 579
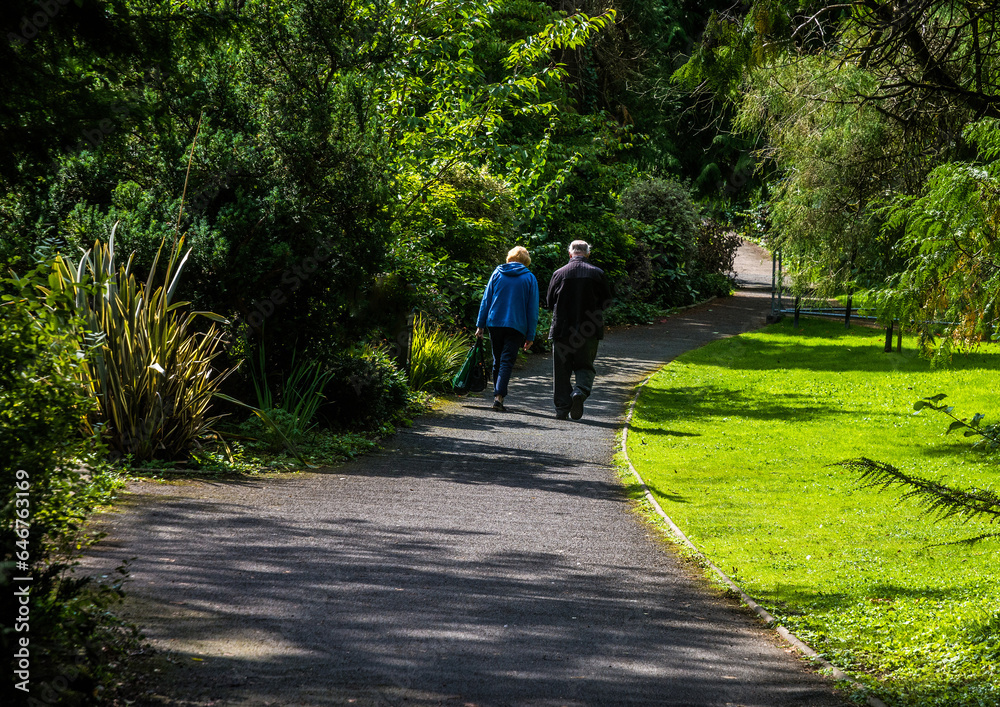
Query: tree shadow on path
480, 558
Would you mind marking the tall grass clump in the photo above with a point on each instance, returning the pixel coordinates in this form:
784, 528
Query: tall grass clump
435, 355
287, 411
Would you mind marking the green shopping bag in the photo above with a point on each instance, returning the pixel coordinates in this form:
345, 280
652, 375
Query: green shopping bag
473, 376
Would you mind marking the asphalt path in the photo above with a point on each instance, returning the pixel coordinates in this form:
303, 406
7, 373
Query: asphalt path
479, 558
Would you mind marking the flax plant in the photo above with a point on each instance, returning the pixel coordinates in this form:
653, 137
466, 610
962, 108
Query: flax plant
152, 372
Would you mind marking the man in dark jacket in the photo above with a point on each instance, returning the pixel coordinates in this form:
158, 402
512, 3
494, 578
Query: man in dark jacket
577, 296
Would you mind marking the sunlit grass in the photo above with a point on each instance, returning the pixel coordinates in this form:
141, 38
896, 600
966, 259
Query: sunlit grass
737, 441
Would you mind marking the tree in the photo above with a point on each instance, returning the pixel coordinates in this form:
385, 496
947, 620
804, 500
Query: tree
951, 237
863, 108
833, 161
261, 148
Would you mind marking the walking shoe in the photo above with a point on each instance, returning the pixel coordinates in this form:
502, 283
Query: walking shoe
563, 415
498, 404
576, 406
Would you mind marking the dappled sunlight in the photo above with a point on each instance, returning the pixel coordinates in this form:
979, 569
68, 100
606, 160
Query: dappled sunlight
478, 555
410, 606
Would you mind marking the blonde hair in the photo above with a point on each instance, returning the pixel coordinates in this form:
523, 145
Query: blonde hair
520, 254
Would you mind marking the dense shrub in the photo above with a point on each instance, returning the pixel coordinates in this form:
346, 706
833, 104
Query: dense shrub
366, 389
47, 493
712, 284
275, 429
664, 221
664, 202
448, 238
717, 246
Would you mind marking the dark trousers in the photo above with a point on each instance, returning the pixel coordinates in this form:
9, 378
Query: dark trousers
568, 362
505, 342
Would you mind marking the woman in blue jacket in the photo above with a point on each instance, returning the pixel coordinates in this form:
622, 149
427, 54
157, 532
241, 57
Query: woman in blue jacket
510, 310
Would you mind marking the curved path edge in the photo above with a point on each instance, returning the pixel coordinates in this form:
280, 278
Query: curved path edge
801, 646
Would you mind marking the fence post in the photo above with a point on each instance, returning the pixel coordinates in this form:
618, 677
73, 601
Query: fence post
797, 300
847, 313
888, 338
774, 281
781, 280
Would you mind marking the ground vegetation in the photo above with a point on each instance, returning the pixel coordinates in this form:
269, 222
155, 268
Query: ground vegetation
742, 441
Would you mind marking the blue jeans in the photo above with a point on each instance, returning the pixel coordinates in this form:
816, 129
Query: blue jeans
506, 342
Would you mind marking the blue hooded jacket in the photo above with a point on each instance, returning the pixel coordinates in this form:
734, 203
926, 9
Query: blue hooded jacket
511, 300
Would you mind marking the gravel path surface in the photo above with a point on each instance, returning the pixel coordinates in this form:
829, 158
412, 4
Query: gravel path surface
480, 558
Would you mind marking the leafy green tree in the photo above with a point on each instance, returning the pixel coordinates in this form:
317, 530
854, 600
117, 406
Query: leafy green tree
952, 247
834, 162
489, 94
261, 149
856, 105
736, 42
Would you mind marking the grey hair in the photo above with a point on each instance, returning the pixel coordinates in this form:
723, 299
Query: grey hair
579, 248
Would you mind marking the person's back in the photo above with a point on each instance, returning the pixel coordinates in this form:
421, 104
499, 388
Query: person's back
512, 298
509, 309
578, 294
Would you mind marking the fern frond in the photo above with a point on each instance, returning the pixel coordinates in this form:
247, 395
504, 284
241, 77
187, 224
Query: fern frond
937, 498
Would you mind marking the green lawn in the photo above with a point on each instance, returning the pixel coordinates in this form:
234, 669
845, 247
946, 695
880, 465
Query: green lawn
736, 440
